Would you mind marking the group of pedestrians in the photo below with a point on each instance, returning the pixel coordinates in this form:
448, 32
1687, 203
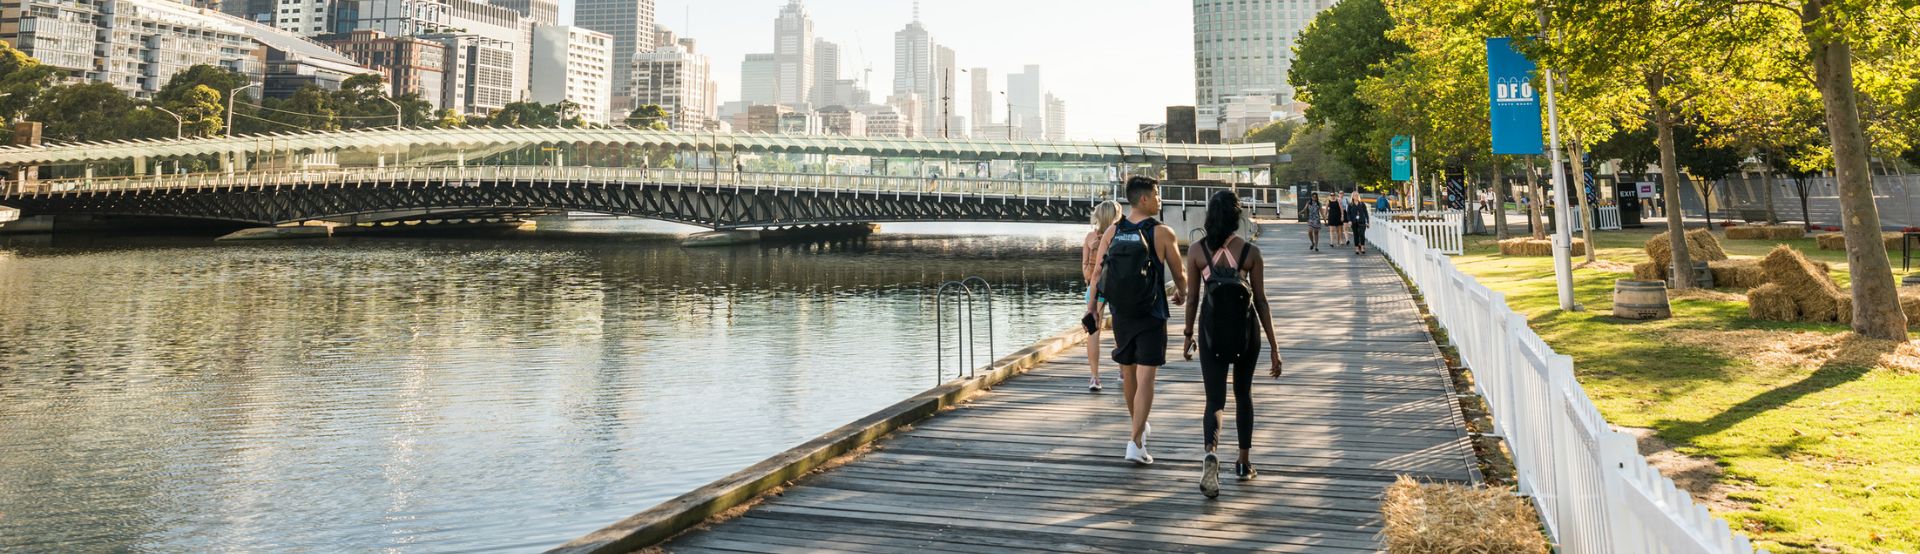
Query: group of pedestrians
1346, 217
1127, 261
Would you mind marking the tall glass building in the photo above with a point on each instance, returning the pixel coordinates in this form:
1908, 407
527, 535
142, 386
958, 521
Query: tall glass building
1243, 48
631, 24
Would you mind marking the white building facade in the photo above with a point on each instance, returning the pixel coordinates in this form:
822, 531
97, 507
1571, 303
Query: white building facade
1245, 47
135, 45
576, 65
679, 79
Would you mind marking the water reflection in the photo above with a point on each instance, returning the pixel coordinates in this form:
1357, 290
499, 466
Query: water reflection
440, 395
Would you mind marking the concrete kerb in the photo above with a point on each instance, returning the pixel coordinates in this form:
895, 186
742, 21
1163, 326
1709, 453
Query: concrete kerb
661, 522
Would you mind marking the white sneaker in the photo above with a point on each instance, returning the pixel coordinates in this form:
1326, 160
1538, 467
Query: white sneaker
1138, 454
1145, 430
1210, 475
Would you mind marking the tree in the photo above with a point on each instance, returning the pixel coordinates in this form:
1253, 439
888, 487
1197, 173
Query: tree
1344, 45
450, 118
22, 79
87, 112
648, 116
1278, 132
1312, 162
1707, 160
200, 111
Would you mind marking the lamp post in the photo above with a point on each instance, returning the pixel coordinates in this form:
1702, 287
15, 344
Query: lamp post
230, 96
179, 123
1009, 114
396, 111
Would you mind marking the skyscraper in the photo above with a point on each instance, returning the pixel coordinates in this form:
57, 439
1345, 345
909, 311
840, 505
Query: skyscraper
826, 70
572, 64
760, 79
631, 24
541, 12
1056, 118
1245, 47
1027, 105
793, 54
676, 77
916, 71
983, 98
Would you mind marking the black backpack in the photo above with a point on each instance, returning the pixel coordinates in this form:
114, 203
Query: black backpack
1132, 274
1227, 332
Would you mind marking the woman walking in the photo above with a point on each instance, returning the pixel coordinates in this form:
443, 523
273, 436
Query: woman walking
1314, 223
1358, 218
1337, 221
1234, 298
1103, 217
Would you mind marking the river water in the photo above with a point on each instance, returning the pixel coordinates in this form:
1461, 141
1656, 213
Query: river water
448, 394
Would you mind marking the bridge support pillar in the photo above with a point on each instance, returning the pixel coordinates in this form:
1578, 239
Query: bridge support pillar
139, 166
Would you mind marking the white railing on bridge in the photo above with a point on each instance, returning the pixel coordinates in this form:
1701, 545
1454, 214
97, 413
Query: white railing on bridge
473, 175
1609, 218
1443, 230
1594, 490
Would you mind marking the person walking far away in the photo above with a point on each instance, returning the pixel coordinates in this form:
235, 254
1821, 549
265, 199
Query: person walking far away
1336, 220
1314, 223
1134, 255
1104, 215
1228, 298
1358, 219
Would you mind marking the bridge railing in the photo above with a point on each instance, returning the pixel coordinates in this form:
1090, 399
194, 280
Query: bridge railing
1594, 490
472, 175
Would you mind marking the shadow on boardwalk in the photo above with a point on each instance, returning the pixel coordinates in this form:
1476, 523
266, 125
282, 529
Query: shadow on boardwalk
1035, 465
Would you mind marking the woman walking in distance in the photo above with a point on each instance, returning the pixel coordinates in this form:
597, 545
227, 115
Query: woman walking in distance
1314, 222
1103, 217
1358, 219
1337, 221
1230, 300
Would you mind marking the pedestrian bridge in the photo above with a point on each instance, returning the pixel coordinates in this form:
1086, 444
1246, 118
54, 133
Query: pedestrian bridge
719, 181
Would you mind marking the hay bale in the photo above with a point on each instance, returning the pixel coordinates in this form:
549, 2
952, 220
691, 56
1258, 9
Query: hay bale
1649, 271
1813, 292
1526, 246
1457, 518
1701, 247
1746, 232
1765, 232
1786, 232
1910, 304
1737, 274
1770, 302
1838, 241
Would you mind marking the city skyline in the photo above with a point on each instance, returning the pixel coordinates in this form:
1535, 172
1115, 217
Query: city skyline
864, 30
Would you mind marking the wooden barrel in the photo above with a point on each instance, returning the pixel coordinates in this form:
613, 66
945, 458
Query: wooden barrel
1634, 299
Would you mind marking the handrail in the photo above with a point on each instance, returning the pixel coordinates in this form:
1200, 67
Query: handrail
988, 287
964, 351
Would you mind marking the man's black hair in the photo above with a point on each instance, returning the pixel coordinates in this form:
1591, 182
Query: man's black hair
1139, 186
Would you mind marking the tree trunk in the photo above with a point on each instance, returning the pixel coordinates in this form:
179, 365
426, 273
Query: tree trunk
1876, 302
1534, 201
1499, 202
1806, 220
1670, 183
1706, 201
1578, 188
1766, 184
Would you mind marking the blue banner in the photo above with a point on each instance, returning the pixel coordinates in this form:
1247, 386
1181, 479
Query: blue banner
1402, 158
1515, 108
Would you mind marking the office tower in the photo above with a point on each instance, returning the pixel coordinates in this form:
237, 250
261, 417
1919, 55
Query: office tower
301, 17
540, 12
760, 79
793, 54
1056, 118
679, 79
983, 98
826, 74
1245, 47
631, 23
574, 64
1024, 94
410, 64
919, 65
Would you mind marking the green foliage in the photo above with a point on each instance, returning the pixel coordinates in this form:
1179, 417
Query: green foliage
1703, 156
220, 79
1278, 133
1635, 149
1311, 160
648, 116
450, 118
1341, 47
22, 79
201, 111
88, 112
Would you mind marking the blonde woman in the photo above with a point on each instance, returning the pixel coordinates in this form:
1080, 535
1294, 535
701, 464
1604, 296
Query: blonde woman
1103, 217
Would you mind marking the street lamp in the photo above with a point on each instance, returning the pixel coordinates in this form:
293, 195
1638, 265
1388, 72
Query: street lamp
230, 96
179, 123
396, 111
1009, 114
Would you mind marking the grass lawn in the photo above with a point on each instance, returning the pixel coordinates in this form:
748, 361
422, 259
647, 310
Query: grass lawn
1816, 433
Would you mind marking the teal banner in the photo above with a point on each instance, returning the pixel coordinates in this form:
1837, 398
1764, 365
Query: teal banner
1402, 158
1515, 109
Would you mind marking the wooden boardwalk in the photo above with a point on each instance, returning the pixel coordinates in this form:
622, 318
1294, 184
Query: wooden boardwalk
1035, 465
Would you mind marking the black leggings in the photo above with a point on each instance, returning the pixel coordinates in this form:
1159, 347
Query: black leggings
1214, 375
1359, 236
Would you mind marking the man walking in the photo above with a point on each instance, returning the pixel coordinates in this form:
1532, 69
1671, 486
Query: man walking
1135, 256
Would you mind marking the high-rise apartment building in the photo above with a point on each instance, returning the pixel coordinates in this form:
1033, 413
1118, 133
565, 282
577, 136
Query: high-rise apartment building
540, 12
760, 79
679, 79
479, 75
844, 121
575, 65
793, 52
410, 64
826, 73
1056, 118
135, 45
465, 18
906, 104
1026, 99
631, 23
1245, 47
301, 17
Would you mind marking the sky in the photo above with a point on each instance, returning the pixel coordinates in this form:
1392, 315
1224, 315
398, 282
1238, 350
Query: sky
1116, 63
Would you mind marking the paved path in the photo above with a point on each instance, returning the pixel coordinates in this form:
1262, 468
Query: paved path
1035, 465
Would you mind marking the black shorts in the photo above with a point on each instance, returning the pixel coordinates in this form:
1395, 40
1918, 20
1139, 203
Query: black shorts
1141, 341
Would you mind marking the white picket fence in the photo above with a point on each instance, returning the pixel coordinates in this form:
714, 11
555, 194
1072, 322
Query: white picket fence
1609, 218
1593, 489
1444, 234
